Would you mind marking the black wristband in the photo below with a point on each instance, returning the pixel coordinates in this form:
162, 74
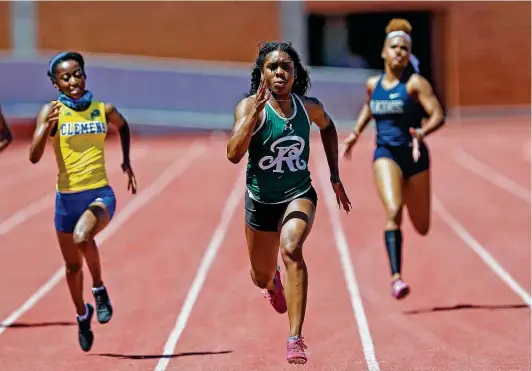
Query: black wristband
335, 179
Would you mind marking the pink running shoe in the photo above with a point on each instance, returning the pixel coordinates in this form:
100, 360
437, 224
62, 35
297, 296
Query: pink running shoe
295, 351
276, 297
400, 289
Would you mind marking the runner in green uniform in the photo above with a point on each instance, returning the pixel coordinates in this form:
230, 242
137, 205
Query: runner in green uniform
272, 124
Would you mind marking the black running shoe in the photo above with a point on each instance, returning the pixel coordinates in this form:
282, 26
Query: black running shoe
104, 309
85, 335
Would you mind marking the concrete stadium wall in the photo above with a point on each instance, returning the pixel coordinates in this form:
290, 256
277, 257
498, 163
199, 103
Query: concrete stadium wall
484, 46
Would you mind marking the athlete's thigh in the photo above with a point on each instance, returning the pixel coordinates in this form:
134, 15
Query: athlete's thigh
298, 220
262, 234
72, 255
417, 196
389, 182
94, 219
99, 212
263, 248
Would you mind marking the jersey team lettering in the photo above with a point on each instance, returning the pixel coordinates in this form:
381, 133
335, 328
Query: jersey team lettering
386, 107
79, 128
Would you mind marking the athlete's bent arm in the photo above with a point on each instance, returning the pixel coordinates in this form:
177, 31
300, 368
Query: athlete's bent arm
46, 121
425, 94
247, 115
5, 133
329, 139
329, 136
115, 117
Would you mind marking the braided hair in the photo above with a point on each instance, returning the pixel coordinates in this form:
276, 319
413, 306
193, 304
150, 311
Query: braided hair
302, 79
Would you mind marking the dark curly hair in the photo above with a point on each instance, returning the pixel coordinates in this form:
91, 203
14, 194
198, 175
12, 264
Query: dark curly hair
302, 79
61, 57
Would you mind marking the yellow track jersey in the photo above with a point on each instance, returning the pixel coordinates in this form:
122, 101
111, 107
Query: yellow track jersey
79, 147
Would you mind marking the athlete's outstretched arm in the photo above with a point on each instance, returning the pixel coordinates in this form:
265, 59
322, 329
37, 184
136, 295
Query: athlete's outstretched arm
425, 94
247, 113
329, 138
46, 122
5, 133
115, 118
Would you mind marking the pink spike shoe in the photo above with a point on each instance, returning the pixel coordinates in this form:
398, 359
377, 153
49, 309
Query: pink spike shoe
295, 351
400, 289
276, 297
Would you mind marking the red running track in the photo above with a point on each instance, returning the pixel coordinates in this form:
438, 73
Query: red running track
177, 250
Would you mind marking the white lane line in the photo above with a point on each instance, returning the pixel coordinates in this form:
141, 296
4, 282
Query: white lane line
472, 243
349, 270
153, 190
47, 201
203, 269
491, 175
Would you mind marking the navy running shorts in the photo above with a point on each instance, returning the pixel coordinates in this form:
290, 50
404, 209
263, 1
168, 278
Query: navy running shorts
402, 156
267, 217
70, 206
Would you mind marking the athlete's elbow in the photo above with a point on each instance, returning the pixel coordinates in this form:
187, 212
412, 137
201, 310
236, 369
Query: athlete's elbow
233, 157
34, 156
233, 154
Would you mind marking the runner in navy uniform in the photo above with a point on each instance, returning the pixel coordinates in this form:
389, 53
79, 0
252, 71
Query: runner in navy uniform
401, 159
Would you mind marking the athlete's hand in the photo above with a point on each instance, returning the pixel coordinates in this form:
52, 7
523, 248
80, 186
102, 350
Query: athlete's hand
53, 116
131, 181
417, 137
349, 142
341, 195
262, 95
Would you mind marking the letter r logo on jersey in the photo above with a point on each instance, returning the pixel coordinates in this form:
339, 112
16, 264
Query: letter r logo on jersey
289, 155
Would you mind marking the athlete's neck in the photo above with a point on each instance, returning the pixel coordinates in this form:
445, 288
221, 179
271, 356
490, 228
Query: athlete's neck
282, 102
393, 74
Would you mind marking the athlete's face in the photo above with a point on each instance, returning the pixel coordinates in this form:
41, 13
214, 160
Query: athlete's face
279, 72
396, 52
70, 78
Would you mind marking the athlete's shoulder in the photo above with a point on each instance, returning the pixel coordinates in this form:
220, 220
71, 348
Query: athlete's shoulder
416, 78
311, 103
246, 102
371, 83
47, 108
417, 83
244, 106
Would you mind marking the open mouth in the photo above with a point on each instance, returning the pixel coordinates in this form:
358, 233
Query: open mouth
75, 91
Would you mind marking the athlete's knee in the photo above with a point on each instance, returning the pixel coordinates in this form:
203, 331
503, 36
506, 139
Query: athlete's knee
81, 234
394, 213
261, 279
72, 268
291, 250
423, 229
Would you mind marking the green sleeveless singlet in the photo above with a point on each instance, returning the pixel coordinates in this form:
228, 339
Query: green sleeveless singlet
278, 155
